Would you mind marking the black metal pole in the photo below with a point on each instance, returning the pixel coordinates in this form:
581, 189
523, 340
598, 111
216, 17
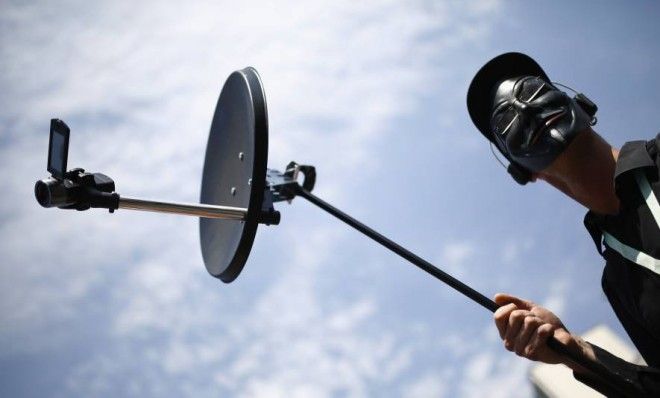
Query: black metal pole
614, 381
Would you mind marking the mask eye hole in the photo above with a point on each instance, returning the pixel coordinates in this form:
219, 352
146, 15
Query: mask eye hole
532, 88
502, 121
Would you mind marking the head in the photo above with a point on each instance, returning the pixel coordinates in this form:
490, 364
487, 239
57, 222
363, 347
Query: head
514, 104
534, 124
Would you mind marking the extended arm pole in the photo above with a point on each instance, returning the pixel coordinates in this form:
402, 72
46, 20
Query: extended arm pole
188, 209
614, 381
396, 248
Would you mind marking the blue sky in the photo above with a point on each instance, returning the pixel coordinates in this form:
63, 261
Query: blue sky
373, 95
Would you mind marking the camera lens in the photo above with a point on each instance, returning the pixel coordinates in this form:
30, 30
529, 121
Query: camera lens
52, 192
42, 193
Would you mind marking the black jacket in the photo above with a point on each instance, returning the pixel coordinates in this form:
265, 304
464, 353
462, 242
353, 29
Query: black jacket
633, 290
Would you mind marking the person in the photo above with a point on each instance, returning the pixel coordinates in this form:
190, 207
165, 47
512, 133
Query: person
547, 135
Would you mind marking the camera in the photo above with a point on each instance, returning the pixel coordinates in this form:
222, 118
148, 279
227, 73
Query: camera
74, 189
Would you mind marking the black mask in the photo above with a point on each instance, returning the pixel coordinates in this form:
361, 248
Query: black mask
533, 121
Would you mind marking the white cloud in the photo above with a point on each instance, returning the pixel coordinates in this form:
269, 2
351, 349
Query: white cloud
137, 82
505, 377
429, 385
455, 258
513, 249
456, 253
287, 344
347, 319
556, 300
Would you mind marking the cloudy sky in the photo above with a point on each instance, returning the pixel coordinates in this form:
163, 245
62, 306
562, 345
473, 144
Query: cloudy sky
373, 95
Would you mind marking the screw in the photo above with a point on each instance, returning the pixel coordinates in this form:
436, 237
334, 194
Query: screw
250, 181
233, 191
241, 156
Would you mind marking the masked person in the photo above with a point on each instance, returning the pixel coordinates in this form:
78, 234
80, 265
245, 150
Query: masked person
546, 134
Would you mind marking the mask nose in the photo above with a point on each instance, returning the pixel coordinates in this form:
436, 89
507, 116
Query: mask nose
526, 109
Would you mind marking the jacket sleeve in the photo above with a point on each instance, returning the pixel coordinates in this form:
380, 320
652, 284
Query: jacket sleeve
641, 381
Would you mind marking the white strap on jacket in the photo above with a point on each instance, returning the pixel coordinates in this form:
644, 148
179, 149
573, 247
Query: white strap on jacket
627, 252
648, 195
630, 254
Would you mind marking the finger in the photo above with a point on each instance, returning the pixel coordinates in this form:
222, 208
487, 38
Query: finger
503, 298
516, 320
501, 317
529, 327
538, 341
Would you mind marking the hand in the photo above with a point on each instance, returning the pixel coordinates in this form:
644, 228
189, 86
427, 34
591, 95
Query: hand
525, 328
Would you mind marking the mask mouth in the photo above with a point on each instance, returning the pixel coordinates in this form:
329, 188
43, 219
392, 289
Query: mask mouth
545, 125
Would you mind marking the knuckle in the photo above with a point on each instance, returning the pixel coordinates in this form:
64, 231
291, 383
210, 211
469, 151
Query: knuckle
516, 316
504, 309
530, 322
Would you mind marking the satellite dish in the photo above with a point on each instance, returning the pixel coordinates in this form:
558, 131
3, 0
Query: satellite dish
237, 194
234, 173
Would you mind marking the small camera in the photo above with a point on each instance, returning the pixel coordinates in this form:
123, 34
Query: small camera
73, 189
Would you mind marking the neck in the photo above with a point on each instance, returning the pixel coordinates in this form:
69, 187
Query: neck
585, 172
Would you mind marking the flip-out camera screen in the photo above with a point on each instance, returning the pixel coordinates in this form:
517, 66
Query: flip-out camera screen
58, 148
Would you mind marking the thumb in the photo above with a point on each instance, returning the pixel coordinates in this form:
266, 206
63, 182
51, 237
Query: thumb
503, 299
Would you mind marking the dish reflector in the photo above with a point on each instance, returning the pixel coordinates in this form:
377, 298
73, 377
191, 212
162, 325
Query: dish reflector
234, 172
